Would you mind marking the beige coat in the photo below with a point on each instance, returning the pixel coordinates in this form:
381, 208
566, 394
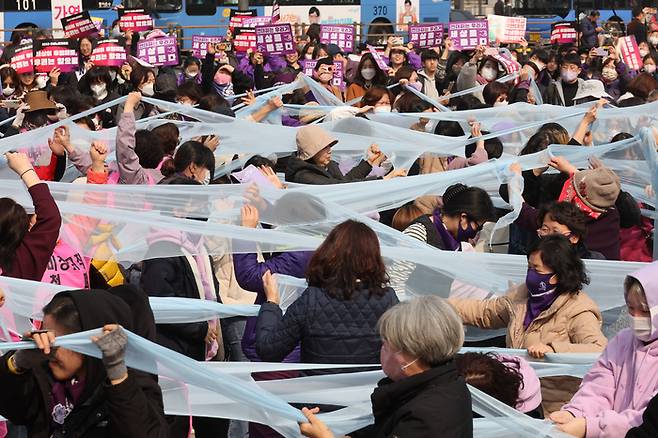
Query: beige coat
571, 325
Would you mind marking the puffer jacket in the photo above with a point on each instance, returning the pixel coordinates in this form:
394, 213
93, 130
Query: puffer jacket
304, 172
572, 324
330, 330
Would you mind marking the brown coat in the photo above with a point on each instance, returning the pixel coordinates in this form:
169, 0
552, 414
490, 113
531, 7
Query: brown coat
571, 325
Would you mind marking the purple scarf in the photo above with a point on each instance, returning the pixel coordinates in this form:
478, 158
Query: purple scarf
540, 295
449, 242
64, 397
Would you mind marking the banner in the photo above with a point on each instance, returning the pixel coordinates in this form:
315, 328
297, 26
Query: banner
340, 35
236, 17
426, 35
378, 58
467, 35
79, 25
200, 44
158, 51
22, 61
109, 53
630, 54
61, 9
506, 30
136, 20
563, 33
244, 38
308, 66
55, 53
275, 39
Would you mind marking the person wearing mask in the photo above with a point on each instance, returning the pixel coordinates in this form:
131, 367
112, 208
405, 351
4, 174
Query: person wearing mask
143, 81
589, 30
11, 85
649, 63
429, 76
191, 71
313, 164
192, 160
637, 27
563, 90
323, 73
652, 40
480, 70
368, 74
614, 75
620, 385
496, 94
422, 395
66, 393
547, 314
97, 83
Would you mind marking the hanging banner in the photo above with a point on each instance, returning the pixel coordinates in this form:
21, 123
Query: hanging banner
236, 17
340, 35
426, 35
22, 61
109, 53
467, 35
563, 33
630, 53
158, 51
506, 30
244, 38
61, 9
135, 20
275, 39
79, 26
56, 53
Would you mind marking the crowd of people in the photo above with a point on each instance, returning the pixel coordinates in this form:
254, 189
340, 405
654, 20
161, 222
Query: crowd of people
356, 309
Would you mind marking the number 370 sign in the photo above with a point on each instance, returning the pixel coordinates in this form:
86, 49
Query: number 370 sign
61, 9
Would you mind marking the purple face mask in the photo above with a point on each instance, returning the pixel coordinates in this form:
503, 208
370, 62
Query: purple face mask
464, 235
538, 284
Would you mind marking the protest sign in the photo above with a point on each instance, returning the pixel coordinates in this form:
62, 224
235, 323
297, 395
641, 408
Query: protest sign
136, 20
236, 18
467, 35
158, 51
108, 53
630, 53
378, 58
244, 38
276, 14
55, 53
22, 60
61, 9
200, 44
426, 35
340, 35
506, 30
79, 25
563, 33
275, 39
256, 21
308, 66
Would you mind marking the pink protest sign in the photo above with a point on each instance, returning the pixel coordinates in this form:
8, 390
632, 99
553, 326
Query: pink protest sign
236, 18
136, 20
57, 53
510, 65
426, 35
256, 21
308, 66
79, 25
630, 54
378, 58
506, 29
467, 35
563, 33
244, 38
200, 44
108, 53
340, 35
158, 51
22, 60
275, 39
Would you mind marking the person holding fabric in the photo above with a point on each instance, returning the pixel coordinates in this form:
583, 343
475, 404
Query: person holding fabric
313, 164
621, 383
368, 74
430, 75
25, 252
547, 314
58, 392
323, 73
192, 160
422, 395
563, 90
479, 70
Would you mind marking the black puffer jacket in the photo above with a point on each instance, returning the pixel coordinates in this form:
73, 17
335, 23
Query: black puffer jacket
305, 172
131, 409
330, 330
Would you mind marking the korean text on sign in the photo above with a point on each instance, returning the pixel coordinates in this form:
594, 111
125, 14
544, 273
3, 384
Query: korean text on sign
467, 35
135, 20
158, 51
50, 54
378, 58
200, 44
340, 35
109, 53
22, 59
308, 66
426, 35
256, 21
506, 29
79, 25
275, 39
563, 33
244, 38
236, 18
630, 54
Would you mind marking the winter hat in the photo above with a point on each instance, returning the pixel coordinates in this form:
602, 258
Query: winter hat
593, 191
312, 139
38, 100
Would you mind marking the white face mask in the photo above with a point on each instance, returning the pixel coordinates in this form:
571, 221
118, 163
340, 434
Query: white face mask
120, 80
489, 73
642, 327
148, 89
501, 103
116, 33
41, 81
643, 52
99, 89
368, 73
8, 91
308, 56
650, 68
568, 76
191, 74
653, 40
206, 179
382, 109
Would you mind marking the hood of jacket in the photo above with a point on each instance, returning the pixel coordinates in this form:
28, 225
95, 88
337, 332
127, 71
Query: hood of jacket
648, 278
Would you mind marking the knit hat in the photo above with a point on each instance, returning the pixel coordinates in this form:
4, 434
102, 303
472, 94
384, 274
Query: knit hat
593, 191
312, 139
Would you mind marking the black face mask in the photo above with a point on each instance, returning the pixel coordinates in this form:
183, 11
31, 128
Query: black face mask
202, 219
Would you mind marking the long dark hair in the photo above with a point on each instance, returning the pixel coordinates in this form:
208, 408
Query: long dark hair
188, 153
348, 260
491, 376
557, 252
380, 77
14, 223
472, 201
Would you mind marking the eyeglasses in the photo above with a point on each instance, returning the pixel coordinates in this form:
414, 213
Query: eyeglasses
545, 231
570, 67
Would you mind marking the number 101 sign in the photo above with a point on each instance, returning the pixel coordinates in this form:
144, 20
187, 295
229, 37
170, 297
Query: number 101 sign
61, 9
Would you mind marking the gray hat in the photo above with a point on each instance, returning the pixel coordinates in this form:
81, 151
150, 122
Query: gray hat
311, 139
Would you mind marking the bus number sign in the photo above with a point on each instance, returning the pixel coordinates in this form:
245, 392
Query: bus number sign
26, 5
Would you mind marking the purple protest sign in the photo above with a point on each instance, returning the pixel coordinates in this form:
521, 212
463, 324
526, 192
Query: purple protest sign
158, 51
200, 44
275, 39
467, 35
308, 66
340, 35
378, 58
426, 35
256, 21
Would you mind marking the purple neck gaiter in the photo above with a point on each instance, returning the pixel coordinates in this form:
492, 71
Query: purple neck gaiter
541, 294
449, 242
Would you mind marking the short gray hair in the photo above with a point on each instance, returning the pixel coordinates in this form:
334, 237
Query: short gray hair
425, 327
